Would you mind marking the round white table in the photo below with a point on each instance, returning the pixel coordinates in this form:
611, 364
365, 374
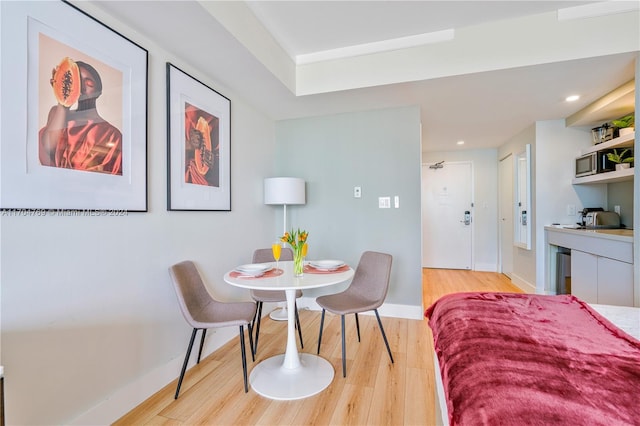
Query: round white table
291, 375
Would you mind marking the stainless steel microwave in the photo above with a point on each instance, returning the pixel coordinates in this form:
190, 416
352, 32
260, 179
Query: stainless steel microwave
593, 162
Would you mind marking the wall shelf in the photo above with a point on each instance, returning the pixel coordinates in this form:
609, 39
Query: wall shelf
625, 141
607, 177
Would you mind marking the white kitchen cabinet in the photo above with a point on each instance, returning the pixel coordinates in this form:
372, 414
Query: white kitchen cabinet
584, 276
598, 279
601, 263
615, 282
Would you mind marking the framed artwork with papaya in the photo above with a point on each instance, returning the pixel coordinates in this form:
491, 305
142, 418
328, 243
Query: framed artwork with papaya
74, 118
199, 144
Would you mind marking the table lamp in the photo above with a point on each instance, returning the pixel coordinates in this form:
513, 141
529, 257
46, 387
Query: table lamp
283, 191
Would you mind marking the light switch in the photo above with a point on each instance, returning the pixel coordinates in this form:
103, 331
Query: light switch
396, 201
384, 202
357, 192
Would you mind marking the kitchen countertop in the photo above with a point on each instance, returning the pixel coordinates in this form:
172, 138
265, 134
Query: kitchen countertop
625, 235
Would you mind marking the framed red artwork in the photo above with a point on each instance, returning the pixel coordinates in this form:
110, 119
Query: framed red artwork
199, 145
74, 119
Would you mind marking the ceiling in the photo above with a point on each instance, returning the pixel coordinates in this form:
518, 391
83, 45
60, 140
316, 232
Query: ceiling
483, 108
303, 27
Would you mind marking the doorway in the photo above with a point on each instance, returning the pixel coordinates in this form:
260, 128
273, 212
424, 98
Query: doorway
505, 194
447, 215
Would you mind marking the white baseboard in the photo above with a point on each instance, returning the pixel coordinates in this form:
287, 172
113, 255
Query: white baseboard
523, 284
132, 395
386, 310
486, 267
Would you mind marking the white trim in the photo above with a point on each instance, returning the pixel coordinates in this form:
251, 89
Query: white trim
523, 284
442, 412
386, 310
597, 9
485, 267
133, 394
376, 47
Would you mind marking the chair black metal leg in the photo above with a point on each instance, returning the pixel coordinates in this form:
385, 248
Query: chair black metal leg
255, 316
384, 336
358, 326
298, 325
186, 361
259, 316
320, 336
204, 334
244, 359
253, 354
344, 350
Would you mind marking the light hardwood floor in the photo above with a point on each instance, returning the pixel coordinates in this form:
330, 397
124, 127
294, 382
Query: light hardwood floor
375, 392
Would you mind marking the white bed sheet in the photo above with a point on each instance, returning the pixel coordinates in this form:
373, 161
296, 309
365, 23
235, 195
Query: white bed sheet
626, 318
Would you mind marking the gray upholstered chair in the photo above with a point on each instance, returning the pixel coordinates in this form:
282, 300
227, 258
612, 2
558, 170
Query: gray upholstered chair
273, 296
202, 312
367, 292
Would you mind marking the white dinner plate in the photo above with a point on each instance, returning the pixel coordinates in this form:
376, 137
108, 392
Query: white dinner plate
327, 265
254, 268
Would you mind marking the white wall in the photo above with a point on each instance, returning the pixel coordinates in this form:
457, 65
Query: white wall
553, 149
485, 212
557, 147
87, 304
524, 261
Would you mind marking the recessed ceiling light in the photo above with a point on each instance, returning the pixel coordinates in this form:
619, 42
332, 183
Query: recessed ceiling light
572, 98
460, 142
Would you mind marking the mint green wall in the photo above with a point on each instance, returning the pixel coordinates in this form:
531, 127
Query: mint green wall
378, 151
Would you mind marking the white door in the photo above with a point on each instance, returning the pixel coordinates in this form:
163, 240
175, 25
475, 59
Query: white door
447, 215
506, 215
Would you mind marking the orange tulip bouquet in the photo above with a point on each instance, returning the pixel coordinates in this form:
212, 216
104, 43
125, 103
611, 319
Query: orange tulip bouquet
298, 242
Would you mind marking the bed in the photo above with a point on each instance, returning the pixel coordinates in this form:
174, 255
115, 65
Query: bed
516, 359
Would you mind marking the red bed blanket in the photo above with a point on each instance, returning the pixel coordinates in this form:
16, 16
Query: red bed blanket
517, 359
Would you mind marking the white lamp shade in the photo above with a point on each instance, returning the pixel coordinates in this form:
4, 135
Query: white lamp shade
284, 190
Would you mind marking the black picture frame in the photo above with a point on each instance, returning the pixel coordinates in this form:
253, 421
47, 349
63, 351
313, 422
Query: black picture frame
198, 145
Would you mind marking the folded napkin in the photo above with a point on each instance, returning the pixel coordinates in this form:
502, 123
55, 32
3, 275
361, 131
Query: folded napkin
268, 274
311, 270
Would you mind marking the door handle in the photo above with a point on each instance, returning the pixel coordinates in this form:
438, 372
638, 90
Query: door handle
467, 218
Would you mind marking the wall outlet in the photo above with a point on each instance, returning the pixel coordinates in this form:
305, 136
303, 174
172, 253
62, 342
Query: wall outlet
357, 192
571, 209
384, 202
616, 209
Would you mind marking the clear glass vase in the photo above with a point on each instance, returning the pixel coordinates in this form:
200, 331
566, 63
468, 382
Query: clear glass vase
298, 263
